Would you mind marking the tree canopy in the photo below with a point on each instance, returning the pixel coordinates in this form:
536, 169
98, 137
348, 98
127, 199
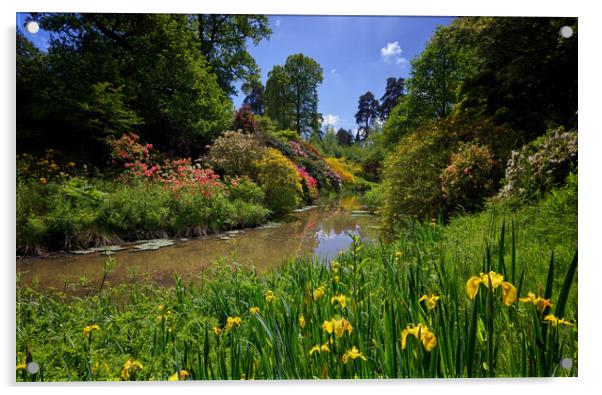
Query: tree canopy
367, 114
291, 96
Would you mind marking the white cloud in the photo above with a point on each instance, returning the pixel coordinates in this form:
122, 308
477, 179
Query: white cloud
329, 120
334, 73
401, 60
391, 49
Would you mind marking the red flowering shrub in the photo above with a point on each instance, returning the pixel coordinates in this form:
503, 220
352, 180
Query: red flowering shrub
143, 162
469, 178
245, 120
310, 185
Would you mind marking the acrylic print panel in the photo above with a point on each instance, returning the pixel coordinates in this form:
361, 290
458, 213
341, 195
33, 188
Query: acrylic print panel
214, 197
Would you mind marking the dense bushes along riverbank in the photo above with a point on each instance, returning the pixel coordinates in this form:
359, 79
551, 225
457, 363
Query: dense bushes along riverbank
147, 194
414, 308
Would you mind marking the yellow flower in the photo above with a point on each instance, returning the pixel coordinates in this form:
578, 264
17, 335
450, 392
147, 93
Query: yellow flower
318, 293
314, 349
508, 293
472, 286
429, 341
160, 317
130, 366
354, 353
555, 321
538, 301
22, 365
496, 279
421, 333
398, 254
182, 376
232, 321
302, 321
254, 310
217, 330
88, 329
43, 181
336, 279
270, 296
161, 307
324, 348
431, 301
339, 298
339, 327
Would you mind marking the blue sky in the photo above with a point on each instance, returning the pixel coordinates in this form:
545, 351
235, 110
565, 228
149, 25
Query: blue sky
357, 54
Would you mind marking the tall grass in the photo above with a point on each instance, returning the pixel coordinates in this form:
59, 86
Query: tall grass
186, 328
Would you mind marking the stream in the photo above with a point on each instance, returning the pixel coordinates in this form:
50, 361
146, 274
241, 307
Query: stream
322, 230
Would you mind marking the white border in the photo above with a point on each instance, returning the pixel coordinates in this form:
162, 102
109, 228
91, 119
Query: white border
590, 137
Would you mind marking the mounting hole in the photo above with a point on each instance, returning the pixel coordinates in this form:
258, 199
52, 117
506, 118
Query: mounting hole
32, 27
566, 31
566, 363
32, 368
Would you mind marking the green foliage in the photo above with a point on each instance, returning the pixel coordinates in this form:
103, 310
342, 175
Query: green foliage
411, 177
468, 180
291, 95
192, 327
148, 72
84, 213
233, 154
223, 39
280, 181
540, 165
527, 76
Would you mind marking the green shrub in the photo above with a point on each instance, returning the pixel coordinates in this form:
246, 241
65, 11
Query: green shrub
468, 180
373, 198
243, 188
280, 180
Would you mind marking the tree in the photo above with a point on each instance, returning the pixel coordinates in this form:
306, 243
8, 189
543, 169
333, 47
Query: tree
223, 40
111, 72
245, 121
277, 105
292, 94
367, 113
344, 137
528, 74
393, 92
254, 99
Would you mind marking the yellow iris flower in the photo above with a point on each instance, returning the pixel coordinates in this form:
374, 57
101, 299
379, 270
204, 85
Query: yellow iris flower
130, 366
254, 310
509, 294
354, 353
538, 301
339, 327
431, 301
177, 377
88, 329
339, 298
302, 321
232, 321
217, 330
318, 293
323, 348
421, 333
554, 321
270, 296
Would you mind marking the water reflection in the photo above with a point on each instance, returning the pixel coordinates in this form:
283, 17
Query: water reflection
323, 231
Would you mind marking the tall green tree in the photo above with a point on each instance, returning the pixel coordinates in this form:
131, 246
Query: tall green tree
114, 72
223, 42
528, 74
344, 137
277, 103
393, 93
367, 113
292, 94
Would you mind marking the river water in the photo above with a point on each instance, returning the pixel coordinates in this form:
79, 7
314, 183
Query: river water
322, 230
